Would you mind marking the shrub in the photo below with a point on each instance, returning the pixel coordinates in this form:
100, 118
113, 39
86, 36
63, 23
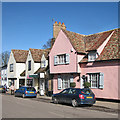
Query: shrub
87, 84
73, 84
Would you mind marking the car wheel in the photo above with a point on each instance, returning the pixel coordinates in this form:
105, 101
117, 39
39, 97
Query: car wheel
23, 95
74, 103
55, 101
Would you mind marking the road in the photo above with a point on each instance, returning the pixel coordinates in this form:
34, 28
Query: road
16, 107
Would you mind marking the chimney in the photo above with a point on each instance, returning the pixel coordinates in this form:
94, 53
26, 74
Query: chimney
57, 27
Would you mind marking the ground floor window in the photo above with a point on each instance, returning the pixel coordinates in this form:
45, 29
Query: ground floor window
64, 81
96, 80
30, 82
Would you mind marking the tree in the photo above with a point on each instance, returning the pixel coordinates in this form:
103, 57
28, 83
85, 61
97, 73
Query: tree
5, 57
47, 45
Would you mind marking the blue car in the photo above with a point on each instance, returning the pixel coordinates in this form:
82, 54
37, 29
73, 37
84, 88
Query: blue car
75, 96
26, 92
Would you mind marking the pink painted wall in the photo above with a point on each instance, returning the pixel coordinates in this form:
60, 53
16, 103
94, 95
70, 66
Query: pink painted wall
62, 45
55, 83
110, 70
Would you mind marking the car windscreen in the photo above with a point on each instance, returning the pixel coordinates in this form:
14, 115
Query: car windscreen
30, 89
86, 91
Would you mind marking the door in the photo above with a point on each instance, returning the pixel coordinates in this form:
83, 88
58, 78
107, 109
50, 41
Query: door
42, 85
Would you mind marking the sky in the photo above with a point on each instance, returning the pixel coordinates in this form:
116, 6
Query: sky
29, 24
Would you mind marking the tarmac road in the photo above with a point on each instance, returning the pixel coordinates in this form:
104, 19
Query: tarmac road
16, 107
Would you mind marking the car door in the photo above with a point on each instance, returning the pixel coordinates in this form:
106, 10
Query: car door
63, 96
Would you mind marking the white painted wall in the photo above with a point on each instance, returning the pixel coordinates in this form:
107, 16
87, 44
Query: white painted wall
79, 58
36, 66
3, 76
11, 61
20, 67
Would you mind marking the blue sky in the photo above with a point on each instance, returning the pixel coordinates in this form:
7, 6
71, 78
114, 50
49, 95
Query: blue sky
29, 25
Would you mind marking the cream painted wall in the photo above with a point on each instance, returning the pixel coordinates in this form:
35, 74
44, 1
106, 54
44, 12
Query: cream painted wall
11, 61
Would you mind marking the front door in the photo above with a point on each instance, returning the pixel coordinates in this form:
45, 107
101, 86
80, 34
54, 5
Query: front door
42, 85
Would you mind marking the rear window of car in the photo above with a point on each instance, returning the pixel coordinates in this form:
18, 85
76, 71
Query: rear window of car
1, 86
30, 89
86, 91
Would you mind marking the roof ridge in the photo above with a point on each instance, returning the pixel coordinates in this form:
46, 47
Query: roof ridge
18, 49
102, 32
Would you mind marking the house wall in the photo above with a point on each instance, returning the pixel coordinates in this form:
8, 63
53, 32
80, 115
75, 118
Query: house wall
32, 64
110, 70
3, 76
20, 67
55, 82
62, 45
10, 61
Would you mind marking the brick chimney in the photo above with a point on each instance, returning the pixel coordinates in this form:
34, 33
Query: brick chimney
57, 27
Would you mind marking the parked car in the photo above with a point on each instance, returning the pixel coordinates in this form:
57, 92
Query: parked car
75, 96
26, 92
2, 89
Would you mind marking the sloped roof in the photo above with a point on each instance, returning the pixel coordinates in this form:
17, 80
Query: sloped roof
111, 50
77, 40
95, 40
20, 55
85, 43
41, 70
37, 54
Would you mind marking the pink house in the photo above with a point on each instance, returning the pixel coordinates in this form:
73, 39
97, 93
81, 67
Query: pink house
79, 58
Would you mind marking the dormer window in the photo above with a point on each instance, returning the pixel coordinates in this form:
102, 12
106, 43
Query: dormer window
43, 64
92, 56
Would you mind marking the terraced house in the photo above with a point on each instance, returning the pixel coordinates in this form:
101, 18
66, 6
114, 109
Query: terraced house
16, 65
79, 58
36, 69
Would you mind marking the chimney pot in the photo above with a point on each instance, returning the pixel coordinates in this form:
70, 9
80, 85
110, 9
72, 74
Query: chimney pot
59, 22
55, 21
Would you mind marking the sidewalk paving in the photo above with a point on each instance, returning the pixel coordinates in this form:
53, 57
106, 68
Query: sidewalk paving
104, 104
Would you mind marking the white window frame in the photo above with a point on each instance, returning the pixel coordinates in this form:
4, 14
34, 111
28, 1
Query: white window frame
61, 59
65, 80
94, 79
43, 64
11, 67
92, 56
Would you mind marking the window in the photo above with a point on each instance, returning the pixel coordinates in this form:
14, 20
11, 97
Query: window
61, 59
11, 67
64, 81
92, 56
29, 65
96, 80
43, 64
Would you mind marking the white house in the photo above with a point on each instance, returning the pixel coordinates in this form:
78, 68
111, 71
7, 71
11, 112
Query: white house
4, 75
16, 65
35, 66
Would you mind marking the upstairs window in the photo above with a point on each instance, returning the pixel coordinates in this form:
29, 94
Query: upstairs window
11, 67
61, 59
92, 56
43, 64
29, 65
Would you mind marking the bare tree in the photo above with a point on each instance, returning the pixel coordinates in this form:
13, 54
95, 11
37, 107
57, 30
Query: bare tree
5, 56
49, 43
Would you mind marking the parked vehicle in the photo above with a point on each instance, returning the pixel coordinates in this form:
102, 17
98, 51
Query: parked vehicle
2, 89
75, 96
26, 92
